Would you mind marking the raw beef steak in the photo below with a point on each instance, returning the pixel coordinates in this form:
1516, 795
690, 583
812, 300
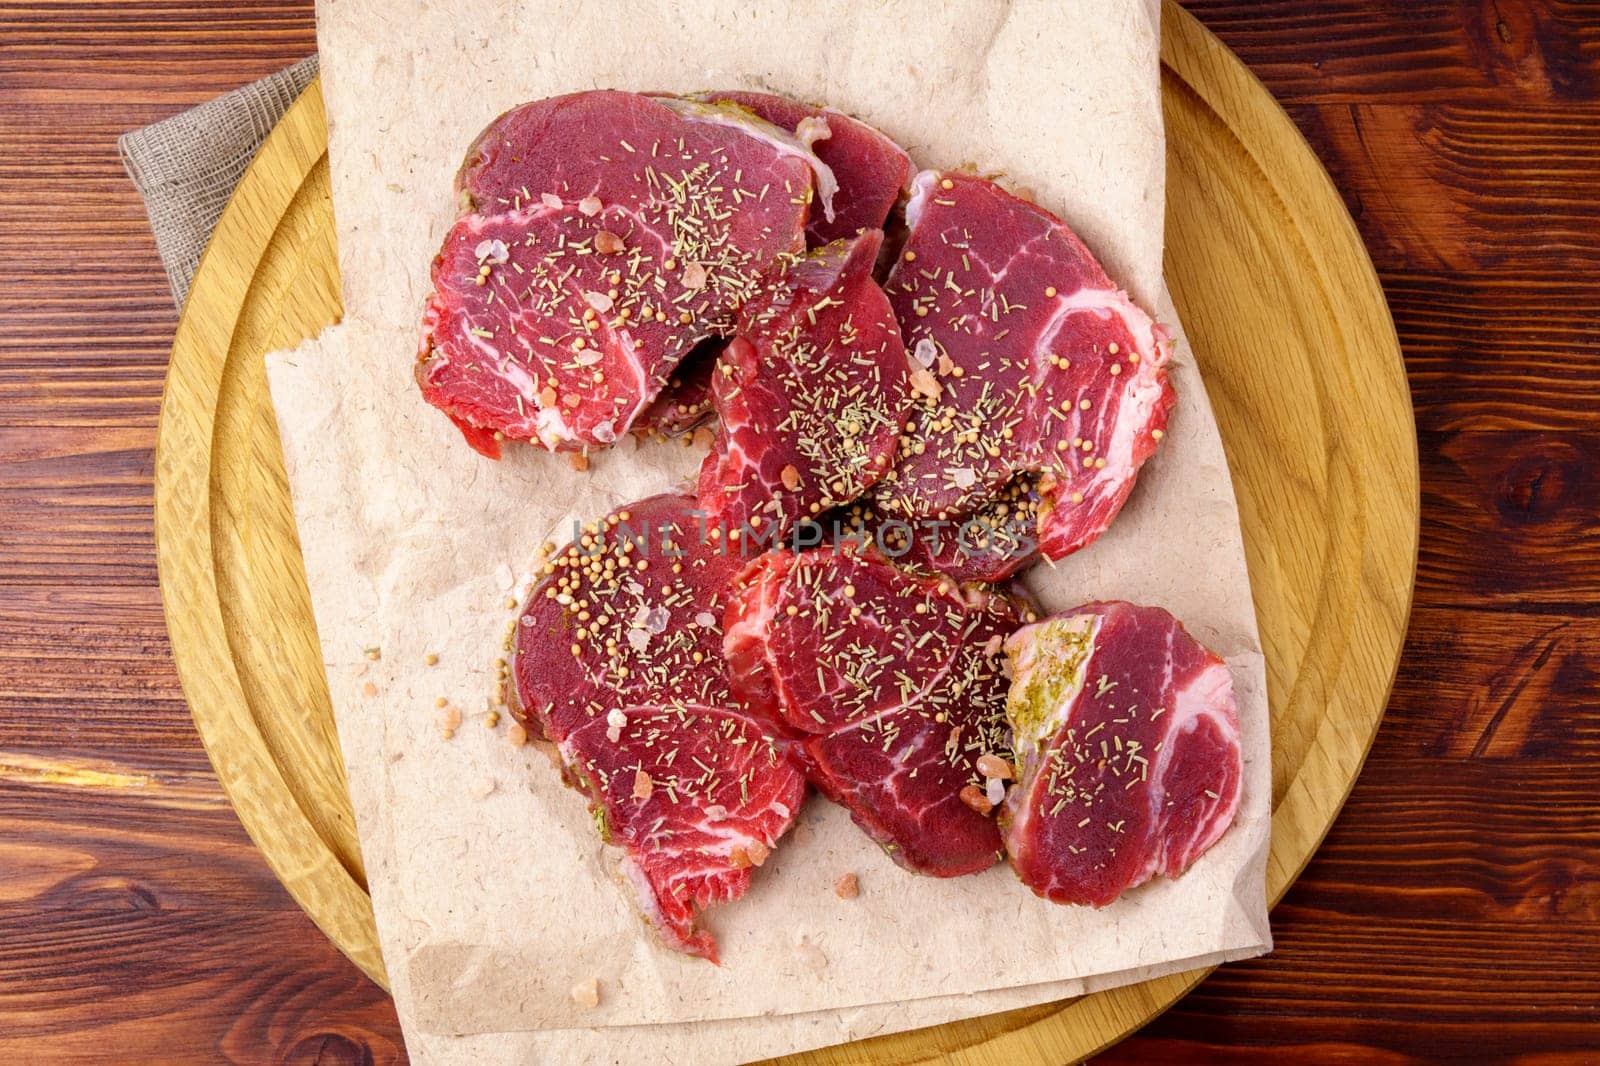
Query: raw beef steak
890, 687
618, 662
1128, 743
810, 394
872, 171
604, 234
1043, 365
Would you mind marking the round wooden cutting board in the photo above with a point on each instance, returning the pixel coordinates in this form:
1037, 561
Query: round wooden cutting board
1289, 327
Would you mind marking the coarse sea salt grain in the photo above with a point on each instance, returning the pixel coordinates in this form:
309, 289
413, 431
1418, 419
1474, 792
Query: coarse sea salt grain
493, 250
615, 720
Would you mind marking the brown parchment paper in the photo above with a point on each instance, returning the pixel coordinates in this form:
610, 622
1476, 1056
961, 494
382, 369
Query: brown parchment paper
493, 894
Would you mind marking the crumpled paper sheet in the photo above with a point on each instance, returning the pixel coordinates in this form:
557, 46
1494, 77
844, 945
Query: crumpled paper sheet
493, 894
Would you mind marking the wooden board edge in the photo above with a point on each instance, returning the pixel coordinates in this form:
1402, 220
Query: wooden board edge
315, 877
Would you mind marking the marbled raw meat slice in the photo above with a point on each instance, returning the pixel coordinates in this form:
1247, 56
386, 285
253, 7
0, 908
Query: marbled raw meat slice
574, 141
889, 685
1044, 366
810, 394
871, 170
604, 235
618, 662
1127, 739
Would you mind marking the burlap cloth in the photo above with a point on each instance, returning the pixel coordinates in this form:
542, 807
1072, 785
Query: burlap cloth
186, 167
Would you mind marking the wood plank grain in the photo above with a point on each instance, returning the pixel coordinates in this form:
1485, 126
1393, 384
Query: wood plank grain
1499, 355
47, 633
102, 872
1337, 51
96, 505
1467, 189
147, 51
1512, 520
1523, 686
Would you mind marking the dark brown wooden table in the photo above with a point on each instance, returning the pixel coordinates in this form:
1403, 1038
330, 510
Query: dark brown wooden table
1454, 911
